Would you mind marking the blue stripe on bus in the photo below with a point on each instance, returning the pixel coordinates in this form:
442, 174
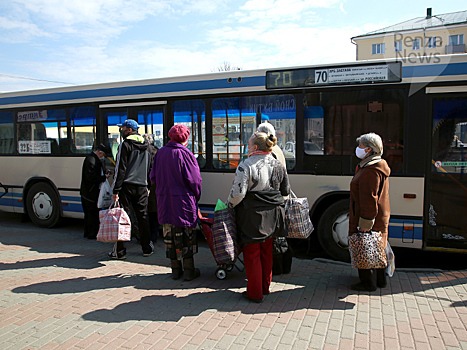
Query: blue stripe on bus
428, 70
256, 81
73, 207
399, 232
137, 90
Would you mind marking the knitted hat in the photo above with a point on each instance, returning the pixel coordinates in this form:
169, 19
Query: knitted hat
106, 149
179, 133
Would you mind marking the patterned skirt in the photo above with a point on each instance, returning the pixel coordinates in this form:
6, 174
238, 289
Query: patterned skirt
180, 242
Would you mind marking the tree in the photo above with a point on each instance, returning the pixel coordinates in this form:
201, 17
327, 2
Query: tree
226, 67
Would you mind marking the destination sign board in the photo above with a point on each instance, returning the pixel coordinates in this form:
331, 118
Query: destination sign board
335, 75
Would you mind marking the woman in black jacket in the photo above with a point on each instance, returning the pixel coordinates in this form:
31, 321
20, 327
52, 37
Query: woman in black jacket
93, 174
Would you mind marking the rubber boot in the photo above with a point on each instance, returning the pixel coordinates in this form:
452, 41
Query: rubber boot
177, 270
190, 272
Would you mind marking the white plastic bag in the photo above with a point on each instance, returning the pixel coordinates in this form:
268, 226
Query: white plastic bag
391, 261
105, 195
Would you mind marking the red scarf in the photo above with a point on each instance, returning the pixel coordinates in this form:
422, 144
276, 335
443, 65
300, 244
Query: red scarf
258, 153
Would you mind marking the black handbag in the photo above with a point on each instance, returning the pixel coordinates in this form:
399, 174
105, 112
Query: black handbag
281, 256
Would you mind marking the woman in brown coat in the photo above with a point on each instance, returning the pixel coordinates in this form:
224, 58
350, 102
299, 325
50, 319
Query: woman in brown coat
369, 201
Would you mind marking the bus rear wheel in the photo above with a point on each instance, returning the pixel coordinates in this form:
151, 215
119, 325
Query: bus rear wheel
43, 205
333, 230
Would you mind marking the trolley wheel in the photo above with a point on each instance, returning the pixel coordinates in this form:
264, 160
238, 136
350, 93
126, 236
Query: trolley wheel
333, 230
221, 273
229, 268
43, 205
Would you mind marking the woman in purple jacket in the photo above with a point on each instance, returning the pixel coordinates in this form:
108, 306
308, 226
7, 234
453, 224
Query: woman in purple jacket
178, 189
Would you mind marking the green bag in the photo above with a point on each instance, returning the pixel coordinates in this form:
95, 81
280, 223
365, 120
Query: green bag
220, 205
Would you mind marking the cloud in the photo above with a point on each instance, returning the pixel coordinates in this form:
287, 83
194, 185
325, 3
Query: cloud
100, 40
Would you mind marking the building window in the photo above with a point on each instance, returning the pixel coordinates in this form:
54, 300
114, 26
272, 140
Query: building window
377, 49
398, 45
431, 42
416, 44
456, 39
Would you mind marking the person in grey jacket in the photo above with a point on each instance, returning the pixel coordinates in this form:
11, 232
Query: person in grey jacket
257, 194
130, 185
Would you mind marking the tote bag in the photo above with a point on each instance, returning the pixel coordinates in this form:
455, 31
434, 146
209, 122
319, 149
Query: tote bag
367, 250
297, 217
115, 225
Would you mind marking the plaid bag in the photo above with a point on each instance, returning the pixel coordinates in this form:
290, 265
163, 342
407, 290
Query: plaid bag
114, 225
224, 236
367, 250
297, 217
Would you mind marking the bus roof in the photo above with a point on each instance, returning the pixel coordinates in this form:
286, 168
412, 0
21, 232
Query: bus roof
414, 70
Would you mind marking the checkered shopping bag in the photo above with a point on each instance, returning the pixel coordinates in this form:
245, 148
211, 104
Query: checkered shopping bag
297, 217
224, 236
114, 224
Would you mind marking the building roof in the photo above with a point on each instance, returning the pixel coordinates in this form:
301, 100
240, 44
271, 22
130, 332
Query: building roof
423, 22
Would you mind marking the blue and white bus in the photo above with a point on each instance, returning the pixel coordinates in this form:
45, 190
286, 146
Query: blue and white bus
419, 108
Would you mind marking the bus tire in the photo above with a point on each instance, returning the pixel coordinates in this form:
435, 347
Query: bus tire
43, 205
333, 230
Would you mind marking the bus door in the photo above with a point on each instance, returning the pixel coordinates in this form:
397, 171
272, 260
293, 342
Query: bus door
447, 181
150, 118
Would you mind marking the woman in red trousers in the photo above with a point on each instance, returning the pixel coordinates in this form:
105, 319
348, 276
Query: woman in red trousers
257, 195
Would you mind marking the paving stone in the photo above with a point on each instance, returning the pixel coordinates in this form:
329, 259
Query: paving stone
59, 292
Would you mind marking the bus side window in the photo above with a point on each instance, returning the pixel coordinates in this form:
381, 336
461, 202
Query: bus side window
66, 147
53, 146
7, 145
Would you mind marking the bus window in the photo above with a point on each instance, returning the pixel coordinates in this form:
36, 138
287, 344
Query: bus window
232, 125
333, 121
192, 114
448, 180
7, 145
153, 120
314, 130
114, 117
234, 121
41, 132
280, 111
83, 130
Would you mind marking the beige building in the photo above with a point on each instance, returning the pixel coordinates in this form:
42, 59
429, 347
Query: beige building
430, 35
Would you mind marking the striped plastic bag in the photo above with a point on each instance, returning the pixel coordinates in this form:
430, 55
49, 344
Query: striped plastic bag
114, 225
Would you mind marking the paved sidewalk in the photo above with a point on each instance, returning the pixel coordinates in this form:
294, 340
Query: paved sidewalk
59, 291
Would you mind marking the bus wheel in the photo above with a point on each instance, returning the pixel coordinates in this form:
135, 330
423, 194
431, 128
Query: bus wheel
333, 230
43, 205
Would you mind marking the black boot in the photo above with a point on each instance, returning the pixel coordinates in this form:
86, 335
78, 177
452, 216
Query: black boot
177, 270
190, 272
381, 281
366, 281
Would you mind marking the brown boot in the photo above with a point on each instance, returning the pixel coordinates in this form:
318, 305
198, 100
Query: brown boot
177, 270
190, 272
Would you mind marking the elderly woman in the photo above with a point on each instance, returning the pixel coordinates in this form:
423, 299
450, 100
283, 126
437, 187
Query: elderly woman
277, 153
178, 188
369, 201
257, 195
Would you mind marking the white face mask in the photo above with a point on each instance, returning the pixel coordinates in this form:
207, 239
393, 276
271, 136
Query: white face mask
360, 152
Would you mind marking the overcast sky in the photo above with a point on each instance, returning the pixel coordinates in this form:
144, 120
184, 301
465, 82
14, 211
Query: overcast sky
55, 43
